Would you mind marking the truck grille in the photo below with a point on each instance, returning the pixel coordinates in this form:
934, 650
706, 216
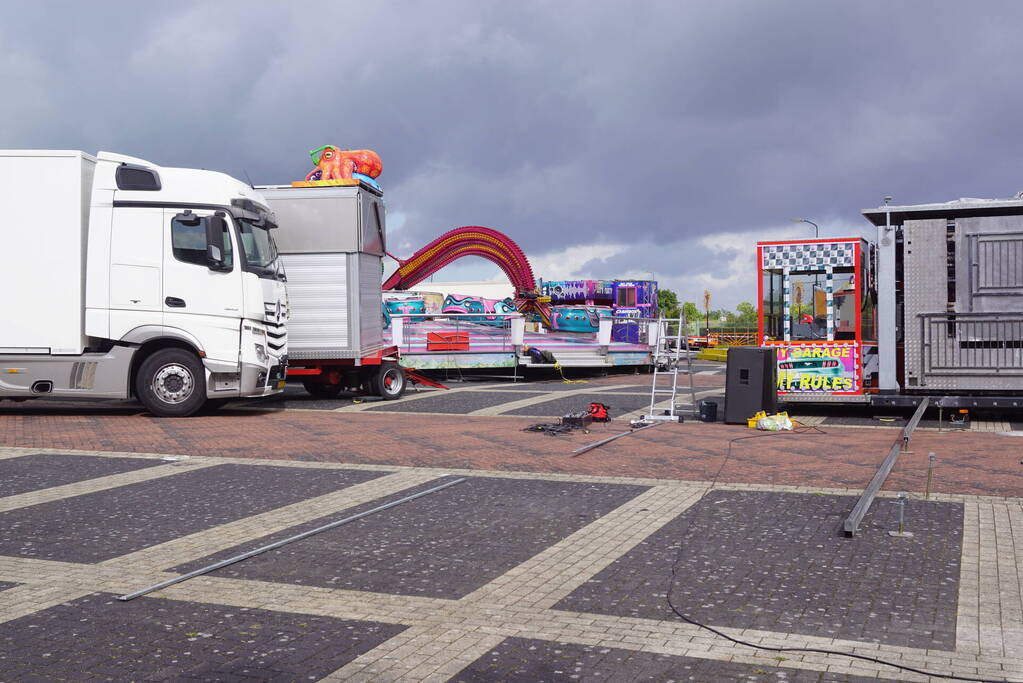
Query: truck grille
274, 318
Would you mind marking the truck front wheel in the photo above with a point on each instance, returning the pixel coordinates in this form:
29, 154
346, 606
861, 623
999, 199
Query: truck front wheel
171, 383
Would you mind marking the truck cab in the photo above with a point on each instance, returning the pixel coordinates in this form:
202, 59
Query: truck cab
139, 280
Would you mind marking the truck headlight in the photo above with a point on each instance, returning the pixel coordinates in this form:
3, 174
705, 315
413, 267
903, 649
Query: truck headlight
261, 353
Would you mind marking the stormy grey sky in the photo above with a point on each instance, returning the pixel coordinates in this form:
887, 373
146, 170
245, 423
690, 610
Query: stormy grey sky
608, 139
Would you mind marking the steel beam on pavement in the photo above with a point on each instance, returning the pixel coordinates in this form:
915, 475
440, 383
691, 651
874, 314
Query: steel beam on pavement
590, 447
278, 544
852, 522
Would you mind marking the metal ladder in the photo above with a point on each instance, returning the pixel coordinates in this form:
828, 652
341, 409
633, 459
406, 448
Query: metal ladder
670, 359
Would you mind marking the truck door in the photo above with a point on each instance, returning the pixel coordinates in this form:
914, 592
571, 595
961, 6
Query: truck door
205, 303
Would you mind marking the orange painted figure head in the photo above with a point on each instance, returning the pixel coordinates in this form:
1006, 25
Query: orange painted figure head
337, 164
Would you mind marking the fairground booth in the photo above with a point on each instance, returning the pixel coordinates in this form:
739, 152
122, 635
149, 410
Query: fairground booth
817, 310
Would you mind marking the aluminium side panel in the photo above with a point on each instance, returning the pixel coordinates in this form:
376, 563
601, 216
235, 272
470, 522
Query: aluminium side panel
315, 220
975, 346
989, 264
331, 240
319, 295
370, 315
926, 290
44, 196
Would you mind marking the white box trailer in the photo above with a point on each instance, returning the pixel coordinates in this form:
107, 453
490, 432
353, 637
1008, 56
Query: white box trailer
44, 240
332, 243
123, 278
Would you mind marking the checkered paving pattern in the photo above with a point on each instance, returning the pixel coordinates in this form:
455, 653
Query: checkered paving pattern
45, 470
778, 562
515, 623
434, 547
525, 659
103, 525
97, 637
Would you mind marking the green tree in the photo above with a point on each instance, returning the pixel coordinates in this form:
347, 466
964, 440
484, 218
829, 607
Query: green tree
746, 313
691, 311
667, 302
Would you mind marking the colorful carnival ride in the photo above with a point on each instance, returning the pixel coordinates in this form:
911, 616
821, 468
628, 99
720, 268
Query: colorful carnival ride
474, 241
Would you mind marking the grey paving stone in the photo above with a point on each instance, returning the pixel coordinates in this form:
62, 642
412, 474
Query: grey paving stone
457, 403
631, 389
778, 562
524, 659
620, 404
444, 545
98, 526
880, 421
97, 638
295, 396
547, 386
45, 470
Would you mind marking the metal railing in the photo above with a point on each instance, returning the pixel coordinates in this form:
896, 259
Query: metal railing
499, 327
978, 344
736, 338
496, 325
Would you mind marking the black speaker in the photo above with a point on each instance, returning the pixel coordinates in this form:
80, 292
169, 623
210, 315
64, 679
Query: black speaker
751, 383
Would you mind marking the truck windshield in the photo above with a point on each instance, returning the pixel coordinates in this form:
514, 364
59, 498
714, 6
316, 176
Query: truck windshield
260, 250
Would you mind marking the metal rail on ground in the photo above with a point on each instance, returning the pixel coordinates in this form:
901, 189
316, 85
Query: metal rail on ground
278, 544
852, 522
597, 444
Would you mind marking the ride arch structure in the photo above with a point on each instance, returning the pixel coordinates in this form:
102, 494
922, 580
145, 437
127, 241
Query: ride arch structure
474, 240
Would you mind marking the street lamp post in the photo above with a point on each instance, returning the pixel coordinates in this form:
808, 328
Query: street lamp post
816, 230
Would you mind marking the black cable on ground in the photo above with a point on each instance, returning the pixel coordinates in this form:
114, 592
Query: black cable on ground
770, 648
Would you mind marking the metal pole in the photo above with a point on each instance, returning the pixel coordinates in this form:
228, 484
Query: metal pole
580, 451
852, 522
930, 471
278, 544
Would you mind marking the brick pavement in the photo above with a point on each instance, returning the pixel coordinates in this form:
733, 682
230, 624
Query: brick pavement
113, 522
47, 470
151, 639
543, 660
487, 629
433, 548
778, 562
442, 638
967, 462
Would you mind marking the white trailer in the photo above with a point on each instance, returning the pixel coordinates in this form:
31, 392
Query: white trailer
123, 278
332, 242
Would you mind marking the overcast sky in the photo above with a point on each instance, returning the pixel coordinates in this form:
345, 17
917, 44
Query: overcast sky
607, 139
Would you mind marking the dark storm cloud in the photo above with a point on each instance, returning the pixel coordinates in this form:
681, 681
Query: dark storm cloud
560, 123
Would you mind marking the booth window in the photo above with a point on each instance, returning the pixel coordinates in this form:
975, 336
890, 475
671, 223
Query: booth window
845, 303
808, 309
772, 305
627, 296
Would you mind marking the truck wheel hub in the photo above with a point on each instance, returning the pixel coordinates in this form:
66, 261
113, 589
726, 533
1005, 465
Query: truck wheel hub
173, 383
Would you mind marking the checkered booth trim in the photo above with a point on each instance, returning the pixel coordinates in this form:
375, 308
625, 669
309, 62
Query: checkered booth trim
806, 256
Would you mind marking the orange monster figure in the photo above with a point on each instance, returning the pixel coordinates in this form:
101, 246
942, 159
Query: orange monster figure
340, 164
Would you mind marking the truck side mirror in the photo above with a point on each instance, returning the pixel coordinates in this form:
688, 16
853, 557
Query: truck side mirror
216, 227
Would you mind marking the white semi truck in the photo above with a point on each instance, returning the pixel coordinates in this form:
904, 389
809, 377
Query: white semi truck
122, 278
